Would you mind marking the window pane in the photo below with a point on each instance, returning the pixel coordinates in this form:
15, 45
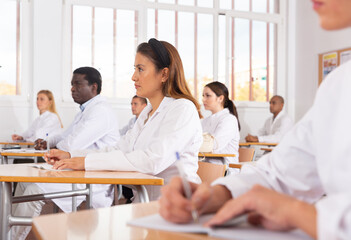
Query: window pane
186, 2
151, 24
82, 36
205, 3
8, 62
125, 53
242, 5
259, 6
225, 4
272, 58
259, 60
103, 46
186, 45
204, 52
221, 49
166, 26
242, 59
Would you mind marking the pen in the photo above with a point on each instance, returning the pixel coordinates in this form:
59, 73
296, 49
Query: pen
47, 145
186, 186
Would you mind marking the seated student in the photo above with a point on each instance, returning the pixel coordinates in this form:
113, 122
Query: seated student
223, 124
310, 162
48, 121
169, 124
94, 127
274, 127
138, 104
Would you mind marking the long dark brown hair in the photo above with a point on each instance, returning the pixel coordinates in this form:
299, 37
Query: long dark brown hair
220, 89
176, 85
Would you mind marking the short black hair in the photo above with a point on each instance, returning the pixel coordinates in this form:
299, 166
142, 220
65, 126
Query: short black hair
91, 75
143, 100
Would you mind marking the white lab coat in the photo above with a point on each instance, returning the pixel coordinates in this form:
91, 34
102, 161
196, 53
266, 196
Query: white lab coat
274, 130
223, 126
127, 127
94, 128
46, 123
151, 147
313, 159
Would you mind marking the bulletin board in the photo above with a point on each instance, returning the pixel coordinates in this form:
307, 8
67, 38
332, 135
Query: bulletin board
328, 61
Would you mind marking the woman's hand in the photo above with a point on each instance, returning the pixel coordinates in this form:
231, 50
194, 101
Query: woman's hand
76, 163
56, 155
16, 137
272, 210
175, 207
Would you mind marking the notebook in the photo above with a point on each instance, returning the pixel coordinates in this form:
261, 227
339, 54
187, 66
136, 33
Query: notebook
242, 231
46, 166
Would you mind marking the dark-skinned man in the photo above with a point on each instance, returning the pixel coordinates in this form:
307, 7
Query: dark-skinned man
276, 126
94, 127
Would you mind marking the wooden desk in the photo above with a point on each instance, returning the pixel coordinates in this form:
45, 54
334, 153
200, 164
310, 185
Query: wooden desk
248, 144
34, 155
105, 223
215, 155
18, 143
240, 164
25, 173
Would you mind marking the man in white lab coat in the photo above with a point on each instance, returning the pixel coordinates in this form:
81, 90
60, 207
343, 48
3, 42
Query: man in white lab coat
94, 127
276, 126
138, 104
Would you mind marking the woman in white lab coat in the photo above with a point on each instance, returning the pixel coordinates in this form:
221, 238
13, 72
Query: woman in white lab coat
223, 124
48, 121
311, 161
169, 124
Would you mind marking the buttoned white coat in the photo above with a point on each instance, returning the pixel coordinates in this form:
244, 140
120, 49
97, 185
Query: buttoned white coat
313, 159
94, 128
151, 146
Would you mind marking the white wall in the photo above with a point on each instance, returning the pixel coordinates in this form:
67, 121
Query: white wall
305, 38
311, 40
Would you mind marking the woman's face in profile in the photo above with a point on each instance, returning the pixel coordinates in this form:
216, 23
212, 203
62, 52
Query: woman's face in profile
210, 100
333, 14
43, 102
147, 81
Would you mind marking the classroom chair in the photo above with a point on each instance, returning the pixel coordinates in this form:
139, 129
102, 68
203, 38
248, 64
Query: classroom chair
208, 172
245, 155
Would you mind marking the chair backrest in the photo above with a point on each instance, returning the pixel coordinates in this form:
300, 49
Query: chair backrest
246, 154
208, 172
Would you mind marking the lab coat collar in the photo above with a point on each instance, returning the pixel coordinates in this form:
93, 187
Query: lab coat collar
220, 113
164, 103
84, 105
44, 114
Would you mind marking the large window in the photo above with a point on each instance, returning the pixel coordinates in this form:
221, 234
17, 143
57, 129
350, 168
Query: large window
231, 41
10, 23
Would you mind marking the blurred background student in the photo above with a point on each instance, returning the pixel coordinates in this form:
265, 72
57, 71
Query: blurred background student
223, 124
48, 121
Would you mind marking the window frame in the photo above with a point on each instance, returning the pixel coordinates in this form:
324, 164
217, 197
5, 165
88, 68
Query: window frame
23, 56
280, 19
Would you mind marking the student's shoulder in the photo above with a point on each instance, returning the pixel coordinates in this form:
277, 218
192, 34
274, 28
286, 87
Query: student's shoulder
184, 104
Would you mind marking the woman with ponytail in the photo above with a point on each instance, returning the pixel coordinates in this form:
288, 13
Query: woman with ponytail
167, 129
223, 124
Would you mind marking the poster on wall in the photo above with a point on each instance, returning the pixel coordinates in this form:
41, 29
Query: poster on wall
345, 56
330, 62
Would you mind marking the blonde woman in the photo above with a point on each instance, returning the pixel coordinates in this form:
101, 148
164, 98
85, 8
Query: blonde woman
48, 121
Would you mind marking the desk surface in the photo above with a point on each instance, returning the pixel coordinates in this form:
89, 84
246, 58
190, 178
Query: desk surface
17, 143
22, 154
257, 143
267, 149
104, 223
27, 173
215, 155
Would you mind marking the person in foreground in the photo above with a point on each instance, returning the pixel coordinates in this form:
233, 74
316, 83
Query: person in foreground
169, 124
284, 190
